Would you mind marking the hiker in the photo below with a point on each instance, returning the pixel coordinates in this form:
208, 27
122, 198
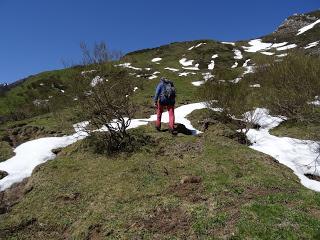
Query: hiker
165, 98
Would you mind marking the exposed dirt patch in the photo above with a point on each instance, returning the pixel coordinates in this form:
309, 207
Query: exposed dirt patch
12, 195
28, 223
189, 189
21, 133
181, 149
313, 177
69, 197
94, 232
165, 221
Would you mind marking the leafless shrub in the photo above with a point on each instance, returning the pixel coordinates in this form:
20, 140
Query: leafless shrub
107, 105
98, 54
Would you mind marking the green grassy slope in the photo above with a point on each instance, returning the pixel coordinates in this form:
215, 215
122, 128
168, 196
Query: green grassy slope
241, 194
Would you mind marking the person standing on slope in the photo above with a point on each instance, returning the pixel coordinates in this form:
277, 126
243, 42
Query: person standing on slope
165, 97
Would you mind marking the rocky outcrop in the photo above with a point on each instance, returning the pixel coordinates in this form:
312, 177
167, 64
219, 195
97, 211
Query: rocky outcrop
292, 24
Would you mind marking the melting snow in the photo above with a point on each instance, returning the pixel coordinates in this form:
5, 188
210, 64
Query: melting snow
196, 67
198, 83
310, 45
184, 62
211, 65
172, 69
282, 55
184, 74
230, 43
299, 155
286, 47
257, 45
156, 59
90, 71
128, 65
308, 27
234, 65
237, 54
255, 85
268, 53
196, 46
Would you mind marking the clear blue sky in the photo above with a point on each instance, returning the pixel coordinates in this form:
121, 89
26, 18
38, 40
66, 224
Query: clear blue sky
36, 34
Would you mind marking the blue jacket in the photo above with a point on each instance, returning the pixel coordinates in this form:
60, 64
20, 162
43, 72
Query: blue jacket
162, 100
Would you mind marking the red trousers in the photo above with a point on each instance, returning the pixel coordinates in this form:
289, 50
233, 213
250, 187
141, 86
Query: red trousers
171, 115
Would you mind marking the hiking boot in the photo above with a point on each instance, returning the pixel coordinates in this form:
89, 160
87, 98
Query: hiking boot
173, 132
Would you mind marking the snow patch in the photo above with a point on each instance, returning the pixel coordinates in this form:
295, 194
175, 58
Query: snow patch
184, 62
287, 47
294, 153
308, 27
172, 69
128, 65
229, 43
184, 74
268, 53
235, 65
156, 59
196, 67
310, 45
237, 54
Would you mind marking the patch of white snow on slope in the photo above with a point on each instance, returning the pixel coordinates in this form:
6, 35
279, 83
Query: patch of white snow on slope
32, 153
282, 55
156, 59
185, 74
249, 69
310, 45
237, 54
198, 83
198, 45
196, 67
268, 53
235, 65
294, 153
229, 43
206, 77
211, 64
128, 65
184, 62
257, 45
153, 76
287, 47
308, 27
172, 69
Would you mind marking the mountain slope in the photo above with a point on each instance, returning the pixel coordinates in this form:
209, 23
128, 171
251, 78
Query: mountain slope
206, 186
